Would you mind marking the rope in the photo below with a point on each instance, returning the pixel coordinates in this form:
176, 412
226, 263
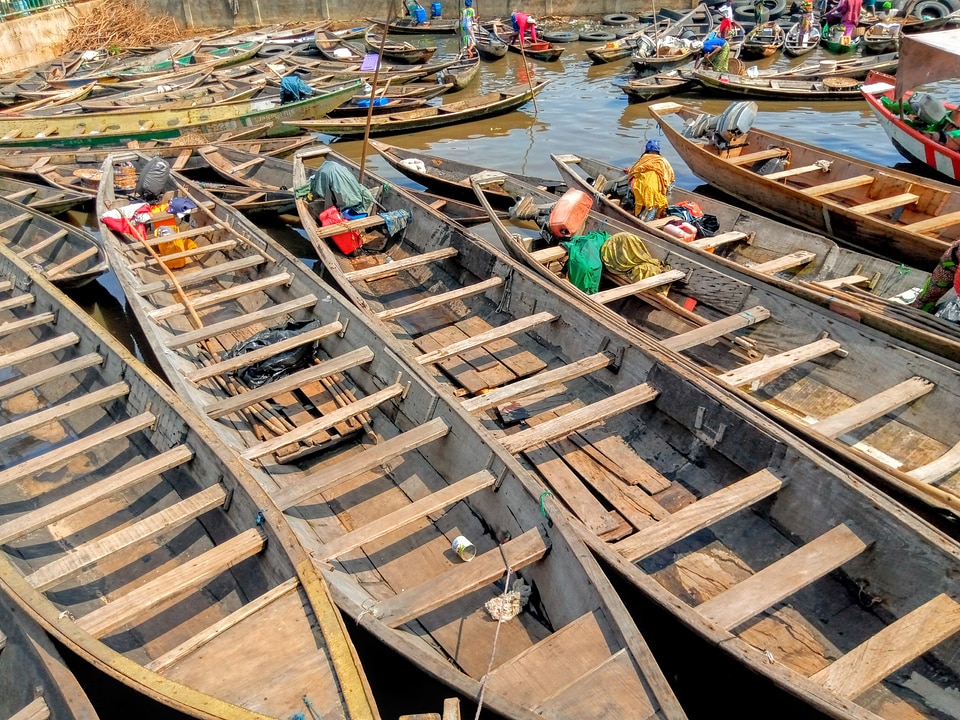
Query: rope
316, 715
496, 637
543, 508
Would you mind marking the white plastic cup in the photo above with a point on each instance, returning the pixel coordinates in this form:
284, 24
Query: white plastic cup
465, 549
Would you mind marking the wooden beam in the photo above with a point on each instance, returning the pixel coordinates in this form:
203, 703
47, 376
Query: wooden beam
204, 275
461, 579
348, 225
834, 283
35, 380
403, 516
215, 298
191, 253
333, 366
497, 333
441, 299
776, 364
580, 418
59, 509
26, 323
782, 578
375, 456
549, 255
392, 268
802, 170
58, 270
17, 301
649, 283
150, 527
36, 710
838, 185
191, 233
15, 220
169, 588
873, 407
756, 156
703, 513
887, 203
787, 262
934, 224
18, 357
56, 413
43, 244
715, 329
945, 465
240, 322
891, 648
709, 243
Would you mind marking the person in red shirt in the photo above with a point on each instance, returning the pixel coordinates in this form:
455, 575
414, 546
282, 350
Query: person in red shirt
523, 22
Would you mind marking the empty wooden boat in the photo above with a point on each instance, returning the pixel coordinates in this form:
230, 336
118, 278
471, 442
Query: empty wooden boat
659, 85
490, 46
401, 52
799, 42
412, 26
669, 54
882, 37
139, 542
763, 40
732, 518
855, 67
781, 88
462, 72
39, 197
639, 42
379, 472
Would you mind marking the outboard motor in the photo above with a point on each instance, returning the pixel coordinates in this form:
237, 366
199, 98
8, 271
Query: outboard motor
726, 127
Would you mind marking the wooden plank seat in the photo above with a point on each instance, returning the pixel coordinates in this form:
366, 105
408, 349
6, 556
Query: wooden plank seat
549, 255
934, 224
776, 364
201, 276
333, 366
787, 262
35, 380
167, 589
240, 322
727, 238
17, 301
233, 169
186, 254
699, 515
782, 578
185, 234
581, 417
15, 220
17, 357
440, 299
6, 286
462, 579
301, 432
386, 269
941, 467
21, 194
649, 283
887, 203
220, 296
756, 156
873, 407
416, 510
38, 247
37, 709
893, 647
791, 172
159, 523
7, 328
497, 333
590, 693
834, 283
371, 457
58, 412
838, 185
59, 509
715, 329
58, 270
348, 225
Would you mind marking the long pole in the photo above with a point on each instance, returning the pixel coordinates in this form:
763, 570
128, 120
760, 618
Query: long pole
656, 30
373, 90
526, 71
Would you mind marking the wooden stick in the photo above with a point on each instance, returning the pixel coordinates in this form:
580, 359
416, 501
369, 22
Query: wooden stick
526, 71
373, 91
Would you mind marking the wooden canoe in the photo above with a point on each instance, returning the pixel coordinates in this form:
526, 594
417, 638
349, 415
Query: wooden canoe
540, 50
39, 197
333, 47
882, 37
137, 540
763, 40
639, 42
176, 55
35, 682
667, 57
896, 215
401, 52
796, 45
461, 73
474, 108
409, 26
781, 88
685, 460
855, 67
377, 472
490, 46
660, 85
833, 41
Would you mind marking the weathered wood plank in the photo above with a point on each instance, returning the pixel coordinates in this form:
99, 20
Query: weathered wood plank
242, 321
715, 329
36, 710
803, 170
935, 223
873, 407
887, 203
756, 156
17, 301
787, 262
26, 323
476, 341
621, 291
834, 283
778, 363
215, 298
441, 299
56, 413
838, 185
39, 349
590, 696
709, 243
199, 276
945, 465
35, 380
185, 254
392, 268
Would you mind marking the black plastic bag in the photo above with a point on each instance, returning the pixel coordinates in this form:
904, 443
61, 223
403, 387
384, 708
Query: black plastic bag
281, 364
153, 179
707, 226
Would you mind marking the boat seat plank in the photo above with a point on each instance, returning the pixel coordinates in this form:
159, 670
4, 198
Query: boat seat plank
549, 255
35, 380
934, 224
701, 514
660, 222
348, 225
518, 362
81, 257
333, 366
325, 422
887, 203
240, 322
58, 412
580, 418
374, 456
778, 363
709, 243
945, 465
36, 710
462, 579
150, 527
18, 357
834, 283
15, 220
787, 262
6, 286
648, 283
536, 383
803, 170
244, 165
497, 333
215, 298
873, 407
186, 254
202, 275
419, 509
782, 578
191, 233
43, 244
440, 299
756, 156
17, 301
26, 323
182, 159
715, 329
837, 185
893, 647
165, 590
385, 270
221, 626
18, 196
63, 453
59, 509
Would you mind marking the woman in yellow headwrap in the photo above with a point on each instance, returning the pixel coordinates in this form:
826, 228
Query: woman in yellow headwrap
651, 179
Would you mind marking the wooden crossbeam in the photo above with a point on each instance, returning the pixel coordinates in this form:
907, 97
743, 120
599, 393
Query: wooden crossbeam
891, 648
462, 579
838, 185
185, 254
35, 380
703, 513
202, 275
58, 270
787, 262
26, 323
887, 203
326, 422
945, 465
333, 366
43, 244
934, 224
873, 407
348, 225
778, 363
580, 418
18, 357
15, 220
716, 241
549, 255
649, 283
192, 232
59, 509
715, 329
497, 333
782, 578
56, 413
192, 337
385, 270
159, 523
244, 165
756, 156
215, 298
834, 283
802, 170
167, 589
441, 299
36, 710
17, 301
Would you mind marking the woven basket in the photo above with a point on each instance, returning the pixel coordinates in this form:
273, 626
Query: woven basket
840, 83
736, 66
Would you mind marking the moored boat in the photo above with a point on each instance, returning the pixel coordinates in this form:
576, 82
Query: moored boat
39, 197
882, 37
798, 42
660, 85
836, 41
829, 88
412, 26
401, 52
763, 40
490, 46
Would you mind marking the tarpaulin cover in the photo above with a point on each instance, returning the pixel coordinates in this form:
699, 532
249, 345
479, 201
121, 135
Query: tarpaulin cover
926, 58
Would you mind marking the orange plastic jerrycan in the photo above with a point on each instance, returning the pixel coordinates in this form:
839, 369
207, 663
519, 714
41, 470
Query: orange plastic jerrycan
570, 213
348, 242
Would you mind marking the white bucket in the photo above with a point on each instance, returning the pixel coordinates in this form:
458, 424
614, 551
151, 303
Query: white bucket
464, 548
753, 71
828, 66
414, 164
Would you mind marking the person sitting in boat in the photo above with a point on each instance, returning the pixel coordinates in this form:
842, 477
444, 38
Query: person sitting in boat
521, 24
651, 180
943, 277
468, 31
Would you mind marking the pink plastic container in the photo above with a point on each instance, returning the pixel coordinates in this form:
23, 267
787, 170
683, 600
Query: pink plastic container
683, 230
